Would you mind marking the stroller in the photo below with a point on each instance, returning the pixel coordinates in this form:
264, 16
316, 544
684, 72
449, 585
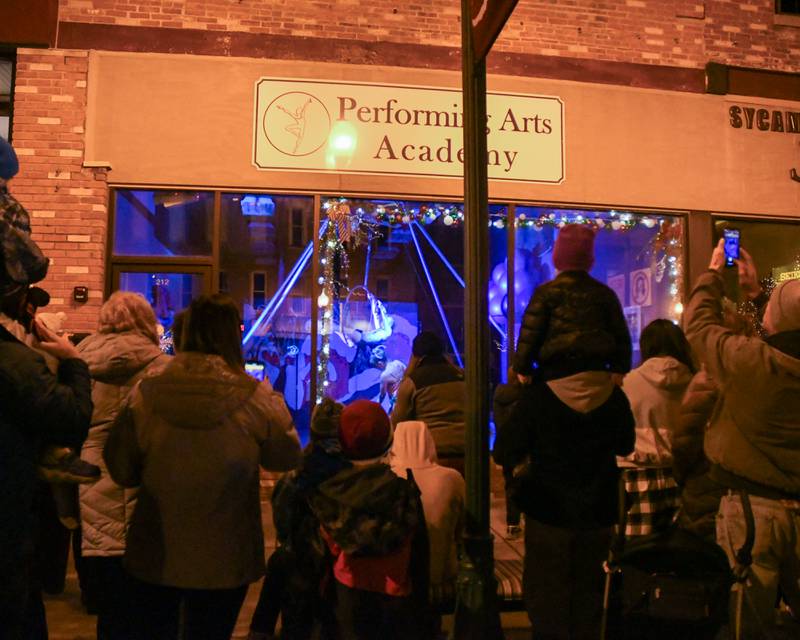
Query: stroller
671, 584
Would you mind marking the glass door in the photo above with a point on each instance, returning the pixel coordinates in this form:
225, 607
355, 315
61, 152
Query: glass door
168, 289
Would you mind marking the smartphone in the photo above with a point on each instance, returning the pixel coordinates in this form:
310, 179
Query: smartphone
255, 369
731, 246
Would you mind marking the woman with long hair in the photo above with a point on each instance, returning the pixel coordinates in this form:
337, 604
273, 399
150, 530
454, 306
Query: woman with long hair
192, 438
655, 390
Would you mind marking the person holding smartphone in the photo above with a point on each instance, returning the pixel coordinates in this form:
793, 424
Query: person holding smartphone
37, 407
753, 438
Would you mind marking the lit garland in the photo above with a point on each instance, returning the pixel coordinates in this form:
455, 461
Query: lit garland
343, 227
668, 242
614, 221
397, 214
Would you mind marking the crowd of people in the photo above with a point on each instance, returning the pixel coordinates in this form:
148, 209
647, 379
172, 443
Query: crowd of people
163, 457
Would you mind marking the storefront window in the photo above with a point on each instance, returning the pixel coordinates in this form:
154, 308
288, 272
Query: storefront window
774, 246
388, 270
163, 223
266, 249
638, 255
6, 93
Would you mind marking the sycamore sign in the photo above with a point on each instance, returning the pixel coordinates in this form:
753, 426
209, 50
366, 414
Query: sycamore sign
390, 129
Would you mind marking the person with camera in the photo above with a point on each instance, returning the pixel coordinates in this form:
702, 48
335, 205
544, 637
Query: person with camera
753, 438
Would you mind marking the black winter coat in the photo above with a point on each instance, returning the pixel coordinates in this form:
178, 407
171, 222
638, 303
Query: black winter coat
572, 324
37, 408
571, 480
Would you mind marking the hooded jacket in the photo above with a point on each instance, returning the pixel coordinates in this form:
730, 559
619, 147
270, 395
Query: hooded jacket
443, 494
655, 390
116, 362
572, 324
191, 438
754, 433
368, 517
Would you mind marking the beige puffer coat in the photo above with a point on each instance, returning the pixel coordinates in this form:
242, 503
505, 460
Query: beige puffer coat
116, 362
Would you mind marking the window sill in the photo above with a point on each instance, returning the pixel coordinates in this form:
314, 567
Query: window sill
786, 20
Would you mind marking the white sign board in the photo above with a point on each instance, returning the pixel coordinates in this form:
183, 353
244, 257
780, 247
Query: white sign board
390, 129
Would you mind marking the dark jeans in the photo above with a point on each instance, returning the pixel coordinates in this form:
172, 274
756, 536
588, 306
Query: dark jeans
293, 592
169, 613
22, 615
365, 615
112, 591
563, 580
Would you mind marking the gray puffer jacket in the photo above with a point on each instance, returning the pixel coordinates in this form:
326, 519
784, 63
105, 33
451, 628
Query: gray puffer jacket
116, 362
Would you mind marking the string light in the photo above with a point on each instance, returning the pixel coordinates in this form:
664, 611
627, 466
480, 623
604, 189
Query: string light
345, 227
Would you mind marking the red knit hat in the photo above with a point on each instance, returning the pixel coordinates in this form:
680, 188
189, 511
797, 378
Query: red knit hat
574, 250
364, 430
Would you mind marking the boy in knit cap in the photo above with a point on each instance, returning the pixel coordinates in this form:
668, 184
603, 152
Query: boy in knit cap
297, 568
373, 523
574, 323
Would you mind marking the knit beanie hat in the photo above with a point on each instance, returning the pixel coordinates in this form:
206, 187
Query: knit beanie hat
427, 343
783, 308
574, 250
364, 430
9, 165
325, 419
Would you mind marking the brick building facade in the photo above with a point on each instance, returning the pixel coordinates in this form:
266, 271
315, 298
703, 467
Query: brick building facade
646, 44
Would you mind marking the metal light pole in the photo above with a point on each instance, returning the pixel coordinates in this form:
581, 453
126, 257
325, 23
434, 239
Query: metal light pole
476, 614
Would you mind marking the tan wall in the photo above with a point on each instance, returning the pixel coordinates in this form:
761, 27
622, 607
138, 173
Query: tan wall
188, 121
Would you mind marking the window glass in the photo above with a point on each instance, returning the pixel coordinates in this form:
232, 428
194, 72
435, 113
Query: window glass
163, 223
788, 6
266, 255
388, 270
169, 293
638, 255
6, 93
774, 246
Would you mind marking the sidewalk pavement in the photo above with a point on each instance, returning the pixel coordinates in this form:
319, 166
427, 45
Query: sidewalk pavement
67, 619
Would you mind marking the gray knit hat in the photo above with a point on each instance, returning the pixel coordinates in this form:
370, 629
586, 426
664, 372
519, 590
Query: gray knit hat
783, 308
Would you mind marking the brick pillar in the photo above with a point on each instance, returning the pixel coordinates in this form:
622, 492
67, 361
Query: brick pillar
67, 202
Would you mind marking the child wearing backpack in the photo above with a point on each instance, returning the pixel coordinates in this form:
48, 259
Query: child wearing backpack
373, 523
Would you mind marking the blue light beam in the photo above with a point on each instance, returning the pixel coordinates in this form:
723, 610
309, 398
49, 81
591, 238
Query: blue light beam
452, 270
285, 286
435, 294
